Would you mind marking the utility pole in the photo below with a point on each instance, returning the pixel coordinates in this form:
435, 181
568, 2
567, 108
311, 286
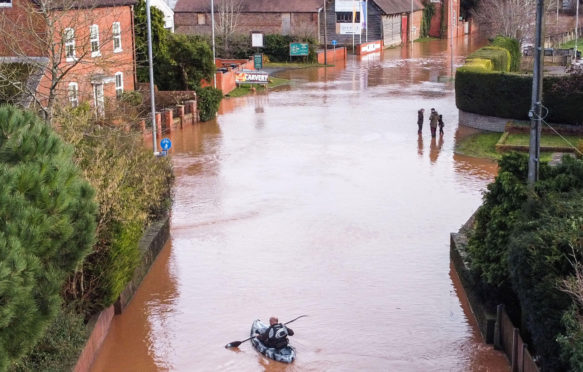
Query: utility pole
325, 36
151, 66
411, 25
535, 112
576, 28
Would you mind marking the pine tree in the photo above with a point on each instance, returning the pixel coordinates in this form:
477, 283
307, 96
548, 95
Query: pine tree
47, 226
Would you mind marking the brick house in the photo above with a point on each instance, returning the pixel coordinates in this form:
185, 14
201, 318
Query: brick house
90, 45
285, 17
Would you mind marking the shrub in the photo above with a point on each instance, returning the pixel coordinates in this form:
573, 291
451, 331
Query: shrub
495, 220
479, 63
47, 226
133, 187
209, 99
500, 57
538, 259
428, 12
513, 47
277, 47
491, 93
60, 346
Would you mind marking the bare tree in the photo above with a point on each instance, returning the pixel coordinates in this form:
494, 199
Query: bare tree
511, 18
54, 37
228, 12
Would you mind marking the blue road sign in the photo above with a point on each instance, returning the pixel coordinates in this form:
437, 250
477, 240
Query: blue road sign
165, 144
334, 42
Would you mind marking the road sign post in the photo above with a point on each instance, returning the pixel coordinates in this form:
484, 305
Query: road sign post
165, 144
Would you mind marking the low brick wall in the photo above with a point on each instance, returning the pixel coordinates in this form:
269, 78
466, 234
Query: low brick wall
486, 318
98, 327
337, 54
483, 122
150, 245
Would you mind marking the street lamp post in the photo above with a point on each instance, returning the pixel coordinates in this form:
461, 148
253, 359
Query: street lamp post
213, 37
151, 67
325, 36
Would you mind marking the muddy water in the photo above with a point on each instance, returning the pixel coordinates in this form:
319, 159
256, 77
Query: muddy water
320, 199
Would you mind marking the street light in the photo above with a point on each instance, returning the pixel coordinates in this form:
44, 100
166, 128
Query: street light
213, 37
151, 66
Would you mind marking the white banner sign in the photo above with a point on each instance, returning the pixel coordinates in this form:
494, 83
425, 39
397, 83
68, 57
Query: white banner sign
346, 5
350, 28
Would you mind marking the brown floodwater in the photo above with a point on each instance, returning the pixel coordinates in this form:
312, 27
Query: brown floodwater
318, 198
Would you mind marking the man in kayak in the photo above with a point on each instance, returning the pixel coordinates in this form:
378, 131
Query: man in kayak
276, 335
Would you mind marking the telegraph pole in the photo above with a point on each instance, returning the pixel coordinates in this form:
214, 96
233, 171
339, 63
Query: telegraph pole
535, 112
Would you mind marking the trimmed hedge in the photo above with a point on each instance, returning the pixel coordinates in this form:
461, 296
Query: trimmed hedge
500, 57
513, 47
508, 95
480, 63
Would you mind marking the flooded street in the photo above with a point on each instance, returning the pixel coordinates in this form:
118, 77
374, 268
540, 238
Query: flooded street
319, 199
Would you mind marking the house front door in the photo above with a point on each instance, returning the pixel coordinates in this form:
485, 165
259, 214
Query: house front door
98, 99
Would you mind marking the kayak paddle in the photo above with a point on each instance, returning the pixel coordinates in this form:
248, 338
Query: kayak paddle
237, 343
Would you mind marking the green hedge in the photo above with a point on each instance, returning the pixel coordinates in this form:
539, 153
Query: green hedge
209, 100
508, 95
500, 57
513, 47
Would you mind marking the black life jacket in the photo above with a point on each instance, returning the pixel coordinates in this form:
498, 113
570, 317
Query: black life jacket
277, 336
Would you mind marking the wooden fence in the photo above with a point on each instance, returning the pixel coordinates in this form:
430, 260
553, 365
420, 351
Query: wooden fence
507, 338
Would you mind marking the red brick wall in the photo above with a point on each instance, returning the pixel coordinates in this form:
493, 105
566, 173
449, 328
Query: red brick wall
107, 64
333, 55
269, 23
435, 25
13, 21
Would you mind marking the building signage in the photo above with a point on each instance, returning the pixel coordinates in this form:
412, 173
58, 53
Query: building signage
349, 28
256, 39
258, 61
346, 5
299, 49
251, 77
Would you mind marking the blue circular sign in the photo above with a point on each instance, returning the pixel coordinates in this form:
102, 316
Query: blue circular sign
165, 144
334, 42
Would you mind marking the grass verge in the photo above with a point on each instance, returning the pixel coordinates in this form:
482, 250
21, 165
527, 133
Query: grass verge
244, 89
571, 44
483, 145
293, 65
479, 145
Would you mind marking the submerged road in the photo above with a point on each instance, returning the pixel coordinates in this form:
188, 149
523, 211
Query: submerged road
320, 199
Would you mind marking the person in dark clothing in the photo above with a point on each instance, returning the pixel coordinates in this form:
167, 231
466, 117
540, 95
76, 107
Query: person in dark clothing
433, 121
276, 335
420, 120
441, 125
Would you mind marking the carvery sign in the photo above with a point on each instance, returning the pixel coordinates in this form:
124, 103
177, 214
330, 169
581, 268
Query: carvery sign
252, 77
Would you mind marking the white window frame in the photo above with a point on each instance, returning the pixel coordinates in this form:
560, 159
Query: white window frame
118, 84
116, 36
6, 4
69, 43
94, 41
73, 94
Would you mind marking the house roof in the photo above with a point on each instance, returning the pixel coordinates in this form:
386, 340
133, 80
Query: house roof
84, 4
398, 6
253, 6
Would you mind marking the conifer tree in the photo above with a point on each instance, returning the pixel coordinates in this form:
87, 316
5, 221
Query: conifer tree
47, 226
